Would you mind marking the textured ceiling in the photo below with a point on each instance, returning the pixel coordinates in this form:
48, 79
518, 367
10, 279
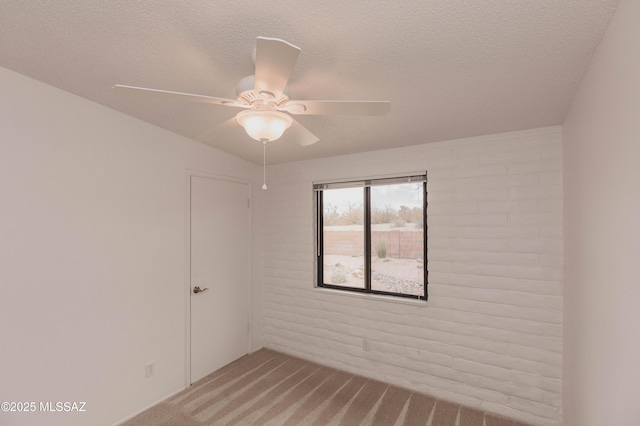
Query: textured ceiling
451, 69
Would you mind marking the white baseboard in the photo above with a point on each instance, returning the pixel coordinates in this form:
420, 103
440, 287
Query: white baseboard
129, 417
256, 349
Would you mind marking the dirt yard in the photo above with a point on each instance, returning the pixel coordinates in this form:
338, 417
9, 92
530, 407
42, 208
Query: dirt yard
388, 274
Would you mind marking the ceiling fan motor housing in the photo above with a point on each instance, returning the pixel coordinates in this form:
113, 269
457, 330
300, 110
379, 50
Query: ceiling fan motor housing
246, 93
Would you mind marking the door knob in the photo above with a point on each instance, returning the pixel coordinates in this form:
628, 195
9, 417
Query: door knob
197, 289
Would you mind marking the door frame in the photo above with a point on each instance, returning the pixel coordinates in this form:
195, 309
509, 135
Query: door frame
187, 287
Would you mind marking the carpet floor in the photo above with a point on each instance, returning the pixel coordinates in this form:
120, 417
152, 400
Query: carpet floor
271, 388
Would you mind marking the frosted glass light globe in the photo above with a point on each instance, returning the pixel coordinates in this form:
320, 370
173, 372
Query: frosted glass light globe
264, 125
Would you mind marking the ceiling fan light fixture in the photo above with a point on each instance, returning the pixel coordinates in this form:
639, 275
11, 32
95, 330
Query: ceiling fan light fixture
264, 125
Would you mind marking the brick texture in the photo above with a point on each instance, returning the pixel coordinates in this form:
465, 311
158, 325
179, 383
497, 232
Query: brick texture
490, 335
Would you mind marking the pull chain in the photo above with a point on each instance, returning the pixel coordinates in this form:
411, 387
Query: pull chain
264, 164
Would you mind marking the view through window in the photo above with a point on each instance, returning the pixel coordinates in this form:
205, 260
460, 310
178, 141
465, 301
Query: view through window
372, 236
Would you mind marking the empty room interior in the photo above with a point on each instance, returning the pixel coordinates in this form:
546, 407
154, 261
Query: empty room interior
433, 200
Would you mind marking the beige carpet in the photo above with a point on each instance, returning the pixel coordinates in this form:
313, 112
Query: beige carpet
271, 388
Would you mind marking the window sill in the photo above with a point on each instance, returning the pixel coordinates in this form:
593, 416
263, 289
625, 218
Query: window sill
376, 297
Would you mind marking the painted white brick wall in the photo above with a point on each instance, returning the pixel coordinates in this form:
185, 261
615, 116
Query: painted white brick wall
490, 335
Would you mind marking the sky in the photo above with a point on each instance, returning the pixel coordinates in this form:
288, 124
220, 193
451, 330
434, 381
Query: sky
394, 196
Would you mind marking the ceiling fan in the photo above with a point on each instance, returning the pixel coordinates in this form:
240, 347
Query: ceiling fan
265, 97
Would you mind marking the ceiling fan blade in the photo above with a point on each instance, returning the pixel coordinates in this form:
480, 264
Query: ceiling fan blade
337, 107
176, 96
218, 131
275, 60
301, 135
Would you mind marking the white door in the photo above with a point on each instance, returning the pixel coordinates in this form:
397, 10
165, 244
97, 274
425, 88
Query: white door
220, 268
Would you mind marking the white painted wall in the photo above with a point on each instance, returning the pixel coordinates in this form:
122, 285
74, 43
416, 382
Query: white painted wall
92, 253
602, 234
490, 335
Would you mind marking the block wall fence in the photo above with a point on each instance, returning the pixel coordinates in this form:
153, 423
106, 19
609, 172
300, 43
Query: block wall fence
399, 244
490, 335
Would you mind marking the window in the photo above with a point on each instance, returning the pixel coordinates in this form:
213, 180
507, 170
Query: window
372, 236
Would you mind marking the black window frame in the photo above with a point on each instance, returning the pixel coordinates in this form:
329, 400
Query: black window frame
366, 184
